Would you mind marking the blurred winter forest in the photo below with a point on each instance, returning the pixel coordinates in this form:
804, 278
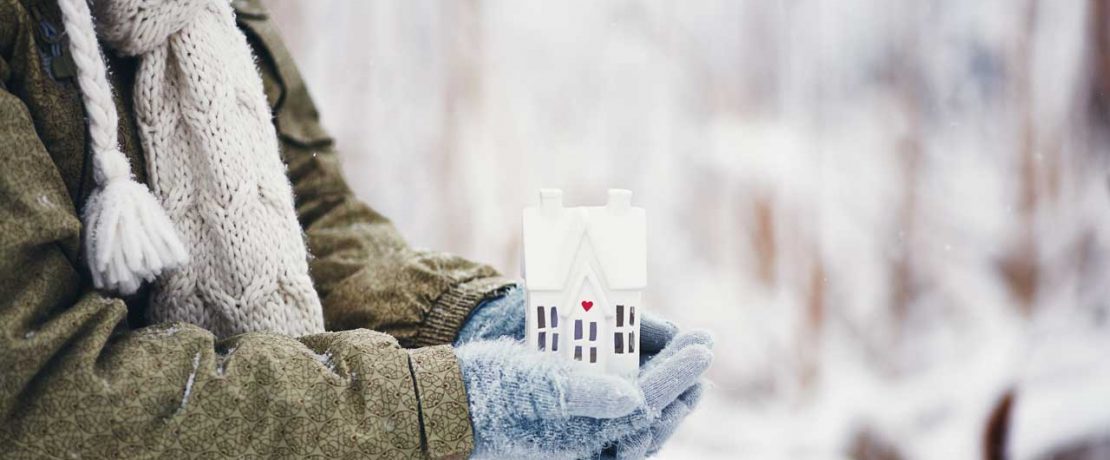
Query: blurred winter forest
894, 215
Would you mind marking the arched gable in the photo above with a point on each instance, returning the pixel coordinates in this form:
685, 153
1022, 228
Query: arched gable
584, 274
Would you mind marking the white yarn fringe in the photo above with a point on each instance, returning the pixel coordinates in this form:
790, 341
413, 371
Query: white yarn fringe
128, 236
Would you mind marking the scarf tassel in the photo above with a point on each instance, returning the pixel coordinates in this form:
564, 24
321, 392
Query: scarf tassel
129, 238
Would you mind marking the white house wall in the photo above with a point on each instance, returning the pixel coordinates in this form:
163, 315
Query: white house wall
603, 313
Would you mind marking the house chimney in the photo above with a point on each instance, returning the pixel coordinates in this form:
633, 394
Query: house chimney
551, 199
619, 199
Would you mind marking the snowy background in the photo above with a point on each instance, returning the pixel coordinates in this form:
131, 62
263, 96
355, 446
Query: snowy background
894, 215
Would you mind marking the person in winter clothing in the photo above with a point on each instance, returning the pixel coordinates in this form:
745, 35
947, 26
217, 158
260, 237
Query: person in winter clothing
91, 363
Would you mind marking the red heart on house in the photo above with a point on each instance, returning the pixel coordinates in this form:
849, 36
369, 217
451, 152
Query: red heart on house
587, 305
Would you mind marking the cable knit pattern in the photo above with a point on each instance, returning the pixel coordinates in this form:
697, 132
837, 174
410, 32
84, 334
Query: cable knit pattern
213, 161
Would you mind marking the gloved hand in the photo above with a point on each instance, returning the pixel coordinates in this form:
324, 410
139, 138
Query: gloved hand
524, 403
504, 317
495, 318
648, 441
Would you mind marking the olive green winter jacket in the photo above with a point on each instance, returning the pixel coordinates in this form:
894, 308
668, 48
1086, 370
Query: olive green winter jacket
81, 375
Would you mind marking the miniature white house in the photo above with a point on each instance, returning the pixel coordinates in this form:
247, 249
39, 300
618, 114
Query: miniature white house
585, 270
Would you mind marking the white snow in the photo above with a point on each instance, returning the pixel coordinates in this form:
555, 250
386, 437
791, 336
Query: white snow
189, 383
890, 212
1065, 391
325, 358
160, 331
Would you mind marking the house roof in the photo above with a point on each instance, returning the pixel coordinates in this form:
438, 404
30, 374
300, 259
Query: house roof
614, 236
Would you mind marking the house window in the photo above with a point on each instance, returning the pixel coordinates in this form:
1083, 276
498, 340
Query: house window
624, 330
543, 327
585, 341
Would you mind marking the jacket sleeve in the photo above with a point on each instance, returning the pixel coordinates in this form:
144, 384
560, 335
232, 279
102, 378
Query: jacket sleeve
366, 274
74, 382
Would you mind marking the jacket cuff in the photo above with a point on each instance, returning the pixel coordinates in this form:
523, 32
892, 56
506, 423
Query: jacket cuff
444, 412
451, 309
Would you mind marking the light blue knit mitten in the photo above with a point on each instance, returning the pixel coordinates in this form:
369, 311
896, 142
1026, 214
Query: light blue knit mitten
495, 318
503, 317
648, 441
524, 403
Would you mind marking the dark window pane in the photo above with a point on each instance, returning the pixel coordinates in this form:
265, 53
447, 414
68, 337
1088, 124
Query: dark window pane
593, 330
618, 343
577, 329
555, 342
543, 341
631, 342
554, 316
631, 316
539, 317
620, 315
593, 354
577, 353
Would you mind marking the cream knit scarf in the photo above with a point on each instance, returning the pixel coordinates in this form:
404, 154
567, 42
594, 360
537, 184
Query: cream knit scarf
221, 241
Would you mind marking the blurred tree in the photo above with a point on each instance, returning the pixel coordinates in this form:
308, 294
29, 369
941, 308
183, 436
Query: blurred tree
1100, 64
